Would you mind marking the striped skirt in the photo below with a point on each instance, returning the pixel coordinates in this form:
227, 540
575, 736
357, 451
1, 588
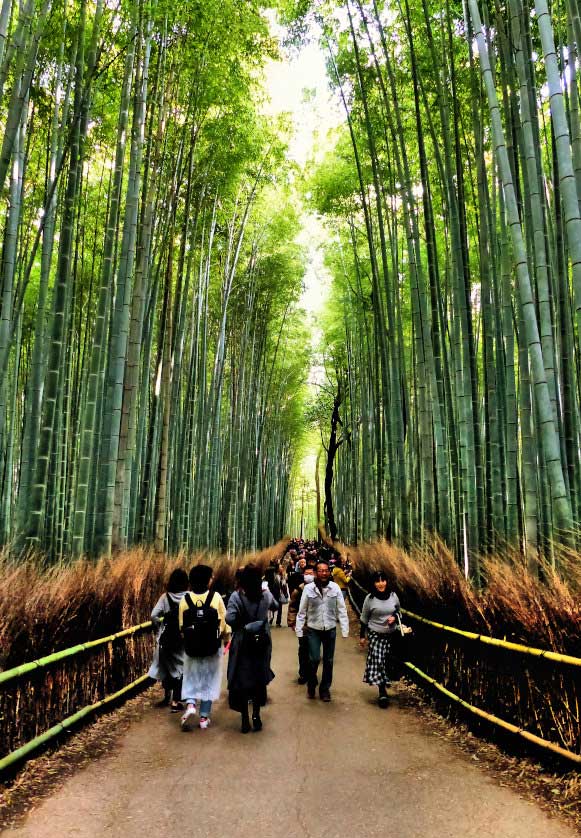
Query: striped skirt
377, 659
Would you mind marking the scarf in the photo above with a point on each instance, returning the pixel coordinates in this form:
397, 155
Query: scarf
383, 596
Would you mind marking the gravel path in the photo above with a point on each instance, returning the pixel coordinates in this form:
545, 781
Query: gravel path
316, 771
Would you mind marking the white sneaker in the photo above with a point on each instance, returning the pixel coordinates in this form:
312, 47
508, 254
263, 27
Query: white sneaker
205, 723
189, 714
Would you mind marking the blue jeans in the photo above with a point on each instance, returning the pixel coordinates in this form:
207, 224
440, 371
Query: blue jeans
205, 706
205, 709
317, 638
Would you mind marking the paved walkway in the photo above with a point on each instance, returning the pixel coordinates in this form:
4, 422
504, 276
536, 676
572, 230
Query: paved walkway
340, 770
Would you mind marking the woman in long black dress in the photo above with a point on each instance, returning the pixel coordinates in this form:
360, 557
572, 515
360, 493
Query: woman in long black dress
249, 670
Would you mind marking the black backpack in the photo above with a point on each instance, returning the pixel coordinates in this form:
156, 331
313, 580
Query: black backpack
201, 628
171, 639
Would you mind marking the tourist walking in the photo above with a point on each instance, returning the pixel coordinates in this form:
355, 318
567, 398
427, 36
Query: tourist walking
378, 623
249, 671
168, 657
341, 577
202, 619
295, 576
277, 585
322, 607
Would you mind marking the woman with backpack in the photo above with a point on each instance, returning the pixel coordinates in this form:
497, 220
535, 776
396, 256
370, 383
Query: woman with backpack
168, 658
203, 624
378, 623
249, 670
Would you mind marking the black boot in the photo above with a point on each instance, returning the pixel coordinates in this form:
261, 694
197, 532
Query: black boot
245, 728
256, 720
383, 700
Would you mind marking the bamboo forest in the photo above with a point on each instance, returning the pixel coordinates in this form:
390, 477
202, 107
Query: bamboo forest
163, 379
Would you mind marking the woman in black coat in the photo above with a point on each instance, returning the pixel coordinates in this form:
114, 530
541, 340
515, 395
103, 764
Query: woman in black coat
249, 670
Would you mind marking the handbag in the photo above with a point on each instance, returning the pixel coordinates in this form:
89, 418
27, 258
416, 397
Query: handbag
401, 627
255, 637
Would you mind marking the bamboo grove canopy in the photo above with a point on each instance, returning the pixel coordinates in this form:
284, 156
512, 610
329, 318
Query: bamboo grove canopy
153, 356
453, 198
149, 344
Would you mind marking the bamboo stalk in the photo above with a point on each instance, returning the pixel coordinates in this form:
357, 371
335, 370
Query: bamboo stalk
569, 660
18, 671
25, 750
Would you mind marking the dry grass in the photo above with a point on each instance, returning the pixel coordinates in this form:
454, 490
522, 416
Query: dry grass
43, 611
513, 604
540, 696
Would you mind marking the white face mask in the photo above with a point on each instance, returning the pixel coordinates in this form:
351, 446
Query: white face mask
309, 578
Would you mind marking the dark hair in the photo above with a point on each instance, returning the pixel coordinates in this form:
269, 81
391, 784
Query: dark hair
178, 581
270, 574
251, 582
200, 576
322, 561
379, 576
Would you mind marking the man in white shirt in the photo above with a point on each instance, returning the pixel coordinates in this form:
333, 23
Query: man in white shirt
322, 607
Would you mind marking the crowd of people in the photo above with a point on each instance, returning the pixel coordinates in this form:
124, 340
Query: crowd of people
196, 627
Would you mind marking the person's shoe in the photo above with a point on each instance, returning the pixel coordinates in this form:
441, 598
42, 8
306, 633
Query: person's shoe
245, 728
204, 723
176, 706
164, 702
257, 723
311, 692
301, 680
325, 695
188, 715
383, 701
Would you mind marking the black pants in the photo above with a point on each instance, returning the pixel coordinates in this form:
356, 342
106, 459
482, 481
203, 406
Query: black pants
173, 687
317, 639
304, 660
279, 614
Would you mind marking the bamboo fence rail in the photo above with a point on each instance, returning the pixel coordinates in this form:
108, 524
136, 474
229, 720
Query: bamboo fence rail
42, 698
477, 673
29, 748
34, 696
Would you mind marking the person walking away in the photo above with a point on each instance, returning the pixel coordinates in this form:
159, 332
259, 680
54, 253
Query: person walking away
249, 671
275, 586
322, 606
341, 577
291, 621
378, 623
202, 620
284, 595
168, 657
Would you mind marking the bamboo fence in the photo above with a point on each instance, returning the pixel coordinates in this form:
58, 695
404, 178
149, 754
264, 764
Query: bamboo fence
42, 698
532, 693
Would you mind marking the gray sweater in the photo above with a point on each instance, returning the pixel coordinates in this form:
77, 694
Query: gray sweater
375, 612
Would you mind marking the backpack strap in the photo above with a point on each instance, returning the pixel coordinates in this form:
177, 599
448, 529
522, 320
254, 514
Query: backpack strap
209, 600
206, 605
